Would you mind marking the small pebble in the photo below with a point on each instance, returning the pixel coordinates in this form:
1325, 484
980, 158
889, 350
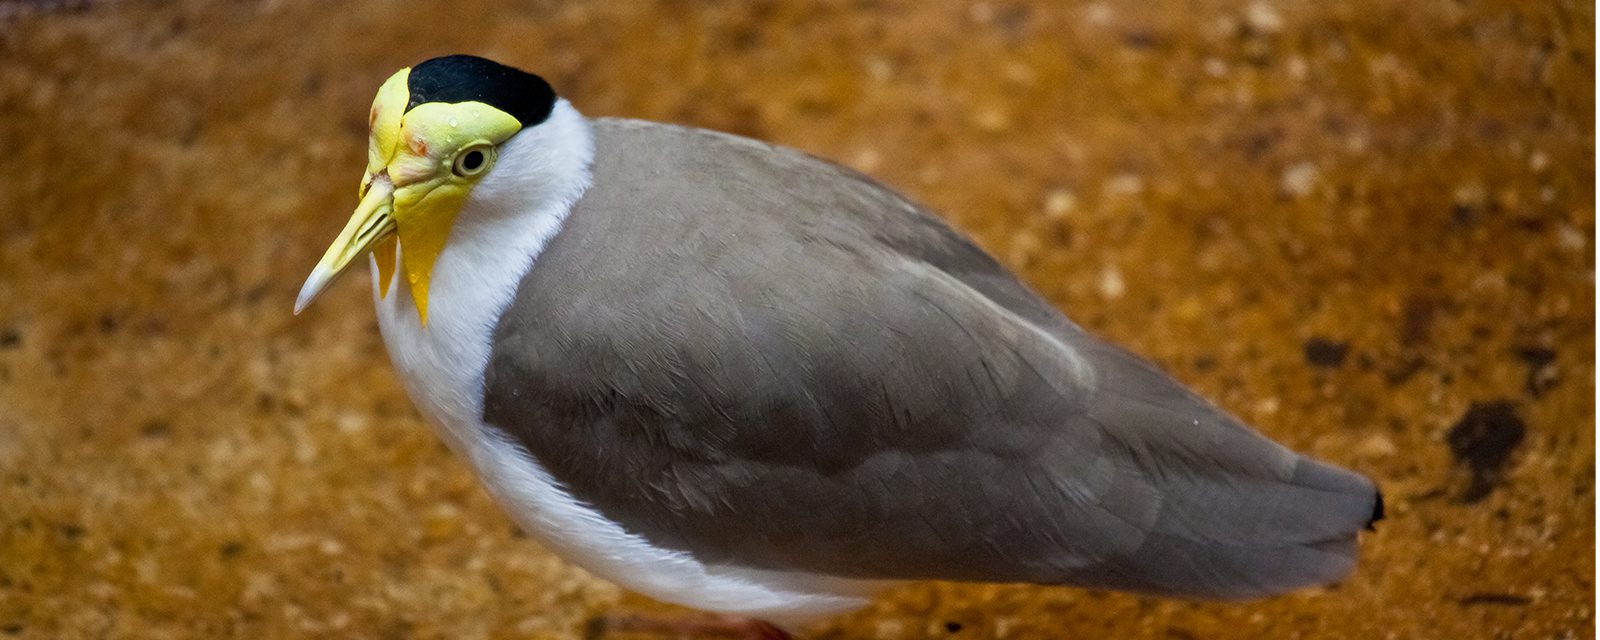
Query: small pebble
1111, 284
1059, 203
1299, 179
1377, 446
1263, 18
1125, 184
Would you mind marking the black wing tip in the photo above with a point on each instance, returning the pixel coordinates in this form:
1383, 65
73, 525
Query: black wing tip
1377, 510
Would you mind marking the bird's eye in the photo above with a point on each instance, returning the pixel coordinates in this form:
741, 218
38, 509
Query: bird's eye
473, 160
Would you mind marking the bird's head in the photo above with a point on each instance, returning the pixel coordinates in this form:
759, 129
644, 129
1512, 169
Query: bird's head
436, 132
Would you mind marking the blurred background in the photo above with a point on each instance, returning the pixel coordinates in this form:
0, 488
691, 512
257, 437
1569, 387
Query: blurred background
1366, 227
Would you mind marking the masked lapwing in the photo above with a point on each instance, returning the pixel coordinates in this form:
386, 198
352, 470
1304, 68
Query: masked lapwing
732, 376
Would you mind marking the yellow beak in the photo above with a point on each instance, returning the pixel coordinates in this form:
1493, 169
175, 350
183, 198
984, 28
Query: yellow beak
372, 223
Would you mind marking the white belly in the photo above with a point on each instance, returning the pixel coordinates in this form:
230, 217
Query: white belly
442, 367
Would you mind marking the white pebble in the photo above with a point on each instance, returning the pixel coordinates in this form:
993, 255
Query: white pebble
1299, 180
1111, 284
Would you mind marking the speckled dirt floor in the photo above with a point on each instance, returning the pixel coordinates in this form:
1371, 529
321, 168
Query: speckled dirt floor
1350, 223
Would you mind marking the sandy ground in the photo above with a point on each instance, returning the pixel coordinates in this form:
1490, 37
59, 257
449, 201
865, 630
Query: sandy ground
1350, 223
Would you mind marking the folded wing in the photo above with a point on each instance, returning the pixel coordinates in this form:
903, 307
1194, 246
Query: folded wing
766, 360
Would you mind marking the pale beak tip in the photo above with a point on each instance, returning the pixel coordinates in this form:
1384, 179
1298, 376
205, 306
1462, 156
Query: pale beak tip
302, 301
311, 289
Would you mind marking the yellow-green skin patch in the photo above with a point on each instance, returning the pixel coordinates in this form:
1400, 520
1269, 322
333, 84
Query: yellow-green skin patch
418, 150
383, 123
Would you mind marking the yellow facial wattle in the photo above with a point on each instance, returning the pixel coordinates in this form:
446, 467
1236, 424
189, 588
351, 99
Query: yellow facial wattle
421, 166
383, 122
429, 191
383, 125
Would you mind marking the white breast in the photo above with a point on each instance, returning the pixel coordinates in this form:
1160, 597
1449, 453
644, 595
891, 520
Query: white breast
496, 240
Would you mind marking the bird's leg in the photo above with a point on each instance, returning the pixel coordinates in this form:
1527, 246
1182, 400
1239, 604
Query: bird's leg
689, 627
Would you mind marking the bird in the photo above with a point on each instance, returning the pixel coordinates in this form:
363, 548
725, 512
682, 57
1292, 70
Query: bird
732, 376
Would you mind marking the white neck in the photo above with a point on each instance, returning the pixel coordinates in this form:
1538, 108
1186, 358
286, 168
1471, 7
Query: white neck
512, 212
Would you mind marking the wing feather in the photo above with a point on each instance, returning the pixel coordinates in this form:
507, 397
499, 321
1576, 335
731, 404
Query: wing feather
763, 359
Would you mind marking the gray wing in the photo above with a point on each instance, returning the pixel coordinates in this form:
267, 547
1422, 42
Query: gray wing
766, 360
